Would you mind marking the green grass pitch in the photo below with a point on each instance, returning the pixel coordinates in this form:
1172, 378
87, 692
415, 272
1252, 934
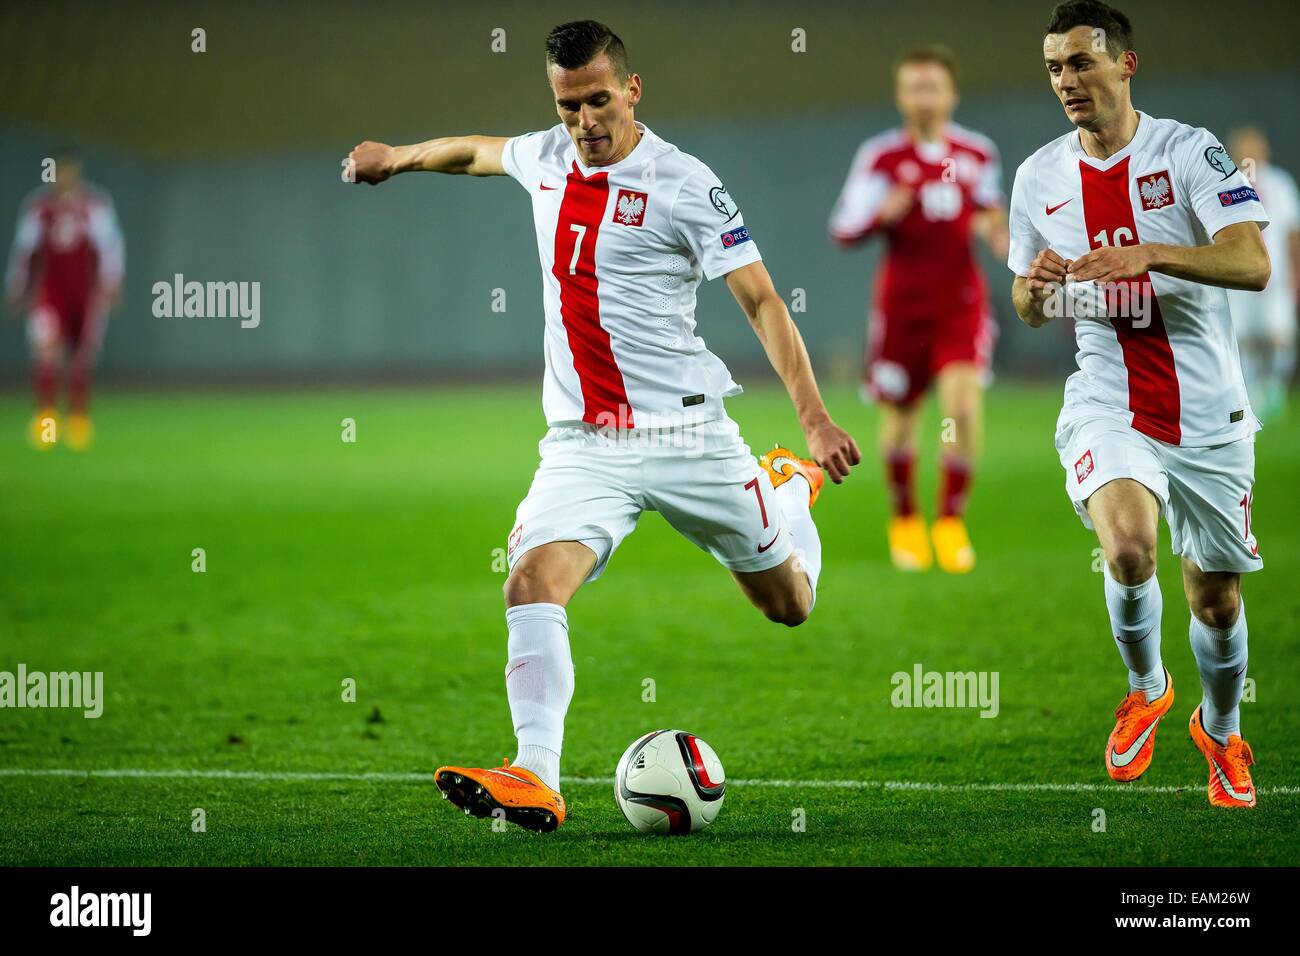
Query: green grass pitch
374, 561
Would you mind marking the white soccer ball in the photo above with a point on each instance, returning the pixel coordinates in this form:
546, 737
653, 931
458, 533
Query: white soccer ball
669, 782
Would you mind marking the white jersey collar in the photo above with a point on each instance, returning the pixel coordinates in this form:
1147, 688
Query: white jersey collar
639, 152
1139, 135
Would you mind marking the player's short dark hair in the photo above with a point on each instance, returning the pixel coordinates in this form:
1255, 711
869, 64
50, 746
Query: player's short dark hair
575, 44
1114, 26
930, 53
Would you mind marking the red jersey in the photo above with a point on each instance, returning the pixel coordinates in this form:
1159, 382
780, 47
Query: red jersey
66, 247
930, 269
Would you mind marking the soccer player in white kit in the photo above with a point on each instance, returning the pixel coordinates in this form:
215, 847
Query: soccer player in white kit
627, 225
1134, 226
1266, 321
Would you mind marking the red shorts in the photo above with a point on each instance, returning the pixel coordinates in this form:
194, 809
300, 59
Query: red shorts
905, 353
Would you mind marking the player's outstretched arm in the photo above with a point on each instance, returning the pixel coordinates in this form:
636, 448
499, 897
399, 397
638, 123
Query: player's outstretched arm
1235, 259
468, 155
828, 444
1031, 293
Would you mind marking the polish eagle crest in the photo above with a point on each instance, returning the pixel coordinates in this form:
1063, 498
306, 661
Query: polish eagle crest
1155, 191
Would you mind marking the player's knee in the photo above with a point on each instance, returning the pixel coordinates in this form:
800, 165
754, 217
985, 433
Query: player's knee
1132, 560
788, 614
963, 412
789, 609
529, 583
1216, 607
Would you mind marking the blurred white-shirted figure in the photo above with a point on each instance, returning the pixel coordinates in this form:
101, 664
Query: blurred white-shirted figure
1266, 321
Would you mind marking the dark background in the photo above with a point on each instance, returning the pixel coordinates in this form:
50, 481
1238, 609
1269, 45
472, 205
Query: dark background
224, 165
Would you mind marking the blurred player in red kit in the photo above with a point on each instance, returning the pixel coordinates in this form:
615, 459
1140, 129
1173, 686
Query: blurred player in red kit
926, 187
64, 274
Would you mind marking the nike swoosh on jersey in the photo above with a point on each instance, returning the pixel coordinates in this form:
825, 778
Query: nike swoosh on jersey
1126, 757
544, 186
764, 547
1052, 209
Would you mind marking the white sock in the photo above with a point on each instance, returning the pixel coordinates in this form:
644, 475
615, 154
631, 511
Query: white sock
1135, 623
793, 495
1221, 659
545, 763
539, 685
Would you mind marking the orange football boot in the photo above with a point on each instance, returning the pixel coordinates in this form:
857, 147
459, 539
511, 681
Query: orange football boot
520, 793
909, 545
1230, 783
781, 464
80, 432
1133, 741
952, 548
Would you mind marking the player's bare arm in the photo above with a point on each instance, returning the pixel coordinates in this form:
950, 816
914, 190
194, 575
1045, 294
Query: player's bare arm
991, 227
372, 163
1047, 273
828, 444
1236, 259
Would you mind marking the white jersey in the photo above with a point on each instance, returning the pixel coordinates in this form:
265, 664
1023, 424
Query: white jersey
1273, 311
623, 248
1165, 360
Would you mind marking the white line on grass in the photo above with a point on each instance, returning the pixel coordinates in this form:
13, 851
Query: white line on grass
289, 776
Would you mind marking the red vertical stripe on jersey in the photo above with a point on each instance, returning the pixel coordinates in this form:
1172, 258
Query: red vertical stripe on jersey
1153, 394
603, 393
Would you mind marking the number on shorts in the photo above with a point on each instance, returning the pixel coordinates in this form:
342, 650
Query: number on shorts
758, 493
1246, 501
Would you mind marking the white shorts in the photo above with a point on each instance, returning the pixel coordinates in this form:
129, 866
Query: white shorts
1205, 493
591, 487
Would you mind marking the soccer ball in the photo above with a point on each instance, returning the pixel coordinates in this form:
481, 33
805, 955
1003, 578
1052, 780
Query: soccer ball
669, 782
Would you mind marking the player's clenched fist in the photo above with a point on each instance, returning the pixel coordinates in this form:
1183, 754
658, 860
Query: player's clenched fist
1111, 264
1047, 274
834, 449
370, 163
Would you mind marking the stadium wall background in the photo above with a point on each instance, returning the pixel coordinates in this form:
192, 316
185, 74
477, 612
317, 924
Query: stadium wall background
225, 165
